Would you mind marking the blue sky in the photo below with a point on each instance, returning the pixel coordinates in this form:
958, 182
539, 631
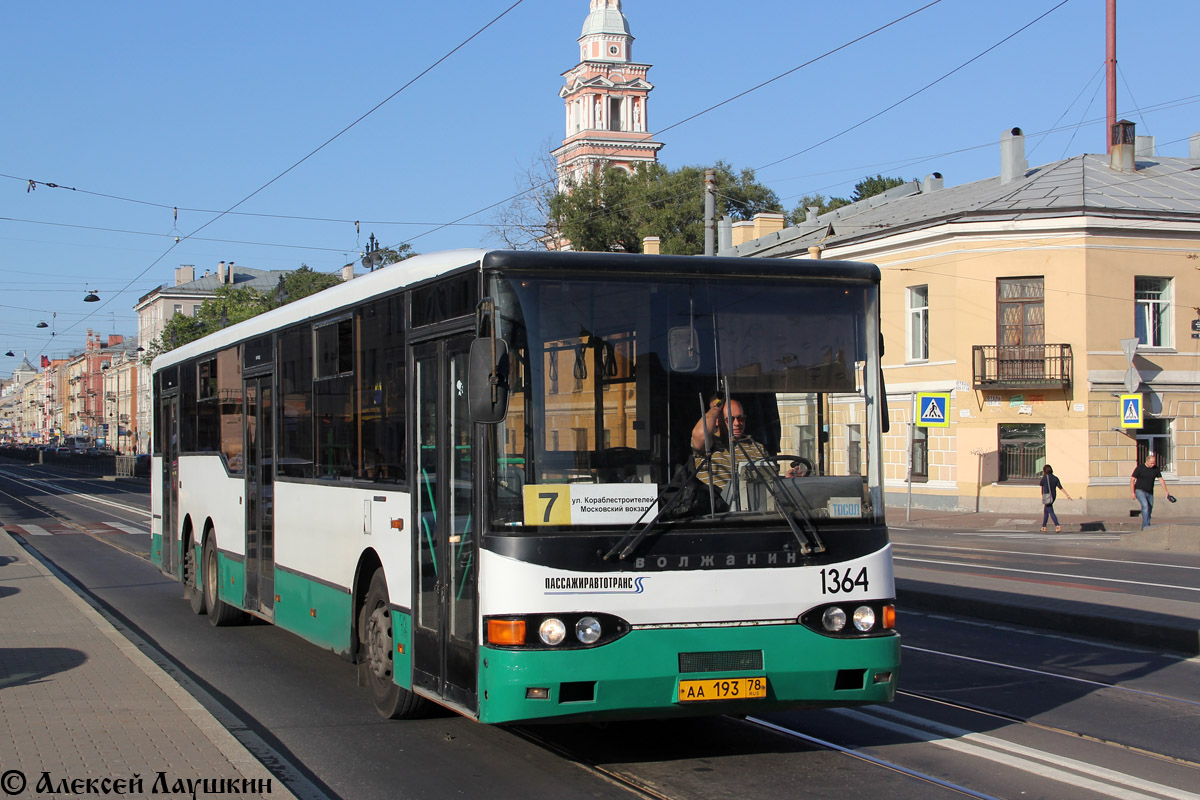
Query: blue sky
142, 107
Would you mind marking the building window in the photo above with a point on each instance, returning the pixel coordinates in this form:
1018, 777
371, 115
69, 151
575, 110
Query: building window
854, 449
1152, 311
918, 323
1155, 437
1022, 451
1020, 328
920, 453
614, 114
178, 308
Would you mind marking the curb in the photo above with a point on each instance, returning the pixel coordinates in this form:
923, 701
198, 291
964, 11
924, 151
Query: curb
229, 747
1129, 626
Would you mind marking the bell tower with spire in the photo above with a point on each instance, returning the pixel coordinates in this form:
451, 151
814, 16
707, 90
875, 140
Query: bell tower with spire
606, 101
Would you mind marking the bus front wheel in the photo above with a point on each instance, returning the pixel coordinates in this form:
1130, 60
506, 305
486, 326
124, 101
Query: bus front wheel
376, 647
220, 613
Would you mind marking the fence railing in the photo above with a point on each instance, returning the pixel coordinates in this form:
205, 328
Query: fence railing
1027, 365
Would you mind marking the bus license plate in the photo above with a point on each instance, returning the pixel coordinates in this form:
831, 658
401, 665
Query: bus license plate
722, 689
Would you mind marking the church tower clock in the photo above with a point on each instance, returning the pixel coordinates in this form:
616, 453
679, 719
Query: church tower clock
607, 119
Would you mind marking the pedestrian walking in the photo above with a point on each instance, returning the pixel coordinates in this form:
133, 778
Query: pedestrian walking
1141, 486
1050, 487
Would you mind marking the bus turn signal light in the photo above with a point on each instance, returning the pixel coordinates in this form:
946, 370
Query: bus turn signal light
889, 617
509, 632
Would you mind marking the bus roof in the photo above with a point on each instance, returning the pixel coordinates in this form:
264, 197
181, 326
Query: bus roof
422, 268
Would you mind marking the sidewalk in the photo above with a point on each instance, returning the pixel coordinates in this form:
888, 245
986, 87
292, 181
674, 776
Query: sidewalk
1181, 534
85, 712
1048, 598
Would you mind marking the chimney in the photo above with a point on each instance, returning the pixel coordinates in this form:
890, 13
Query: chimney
1013, 165
184, 273
221, 272
767, 222
933, 182
348, 272
814, 252
743, 231
229, 272
1124, 139
1194, 147
651, 245
114, 339
1144, 148
724, 233
810, 213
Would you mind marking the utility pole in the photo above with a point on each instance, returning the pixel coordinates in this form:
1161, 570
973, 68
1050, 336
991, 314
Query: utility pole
1111, 71
710, 212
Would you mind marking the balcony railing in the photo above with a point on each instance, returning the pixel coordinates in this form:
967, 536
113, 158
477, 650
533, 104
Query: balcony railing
1022, 366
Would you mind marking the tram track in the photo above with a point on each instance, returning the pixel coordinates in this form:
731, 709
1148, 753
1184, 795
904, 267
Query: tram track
36, 484
993, 713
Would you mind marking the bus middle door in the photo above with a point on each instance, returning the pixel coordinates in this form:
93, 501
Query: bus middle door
259, 455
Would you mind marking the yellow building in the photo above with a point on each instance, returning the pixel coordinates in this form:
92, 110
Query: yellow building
1036, 299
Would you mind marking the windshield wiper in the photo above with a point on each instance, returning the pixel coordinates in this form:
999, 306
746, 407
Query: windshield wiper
787, 506
630, 541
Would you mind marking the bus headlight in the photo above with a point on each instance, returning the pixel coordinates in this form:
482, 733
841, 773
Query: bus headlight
587, 630
552, 631
864, 618
834, 619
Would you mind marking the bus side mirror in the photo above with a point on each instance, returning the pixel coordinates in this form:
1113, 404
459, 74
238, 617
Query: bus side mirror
487, 380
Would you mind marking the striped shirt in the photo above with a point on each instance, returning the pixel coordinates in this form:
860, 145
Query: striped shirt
722, 462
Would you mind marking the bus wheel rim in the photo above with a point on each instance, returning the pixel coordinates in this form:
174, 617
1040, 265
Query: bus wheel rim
379, 643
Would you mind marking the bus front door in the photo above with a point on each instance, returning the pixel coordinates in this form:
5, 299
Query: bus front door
259, 453
169, 408
445, 587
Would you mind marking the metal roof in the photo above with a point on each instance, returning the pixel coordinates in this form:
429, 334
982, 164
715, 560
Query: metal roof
1160, 188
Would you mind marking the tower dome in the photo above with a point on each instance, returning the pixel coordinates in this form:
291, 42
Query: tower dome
605, 17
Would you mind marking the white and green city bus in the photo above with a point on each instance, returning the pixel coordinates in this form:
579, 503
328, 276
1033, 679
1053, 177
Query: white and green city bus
472, 474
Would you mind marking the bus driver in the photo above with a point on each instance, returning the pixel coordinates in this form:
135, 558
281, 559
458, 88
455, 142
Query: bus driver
714, 451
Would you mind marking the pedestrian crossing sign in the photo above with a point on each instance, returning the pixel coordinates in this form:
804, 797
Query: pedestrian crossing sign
933, 409
1131, 411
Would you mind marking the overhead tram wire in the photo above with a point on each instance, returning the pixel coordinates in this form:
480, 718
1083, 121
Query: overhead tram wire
929, 85
1165, 105
698, 114
318, 149
789, 72
609, 211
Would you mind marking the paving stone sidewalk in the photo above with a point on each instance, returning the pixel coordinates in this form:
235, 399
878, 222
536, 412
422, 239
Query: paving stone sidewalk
85, 713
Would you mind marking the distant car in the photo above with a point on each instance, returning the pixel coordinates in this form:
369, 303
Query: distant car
61, 451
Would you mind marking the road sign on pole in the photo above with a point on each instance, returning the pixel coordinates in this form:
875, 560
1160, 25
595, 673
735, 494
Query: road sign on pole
1131, 411
933, 409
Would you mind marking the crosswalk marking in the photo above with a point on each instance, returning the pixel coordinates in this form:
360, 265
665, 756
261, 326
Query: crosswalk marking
106, 527
126, 527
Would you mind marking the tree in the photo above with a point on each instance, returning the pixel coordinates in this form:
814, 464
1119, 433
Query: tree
234, 304
867, 187
524, 222
614, 210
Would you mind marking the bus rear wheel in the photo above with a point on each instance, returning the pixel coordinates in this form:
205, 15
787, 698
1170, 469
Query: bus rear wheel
376, 648
220, 613
192, 589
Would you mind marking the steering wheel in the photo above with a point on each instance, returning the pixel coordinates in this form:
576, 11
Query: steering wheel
800, 463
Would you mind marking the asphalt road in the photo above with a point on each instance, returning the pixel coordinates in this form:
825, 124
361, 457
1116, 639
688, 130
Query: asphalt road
985, 709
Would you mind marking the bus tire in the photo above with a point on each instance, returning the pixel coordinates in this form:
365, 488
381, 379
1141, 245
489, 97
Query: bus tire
376, 647
193, 590
220, 613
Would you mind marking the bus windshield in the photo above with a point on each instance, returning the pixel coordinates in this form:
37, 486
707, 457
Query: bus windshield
610, 379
